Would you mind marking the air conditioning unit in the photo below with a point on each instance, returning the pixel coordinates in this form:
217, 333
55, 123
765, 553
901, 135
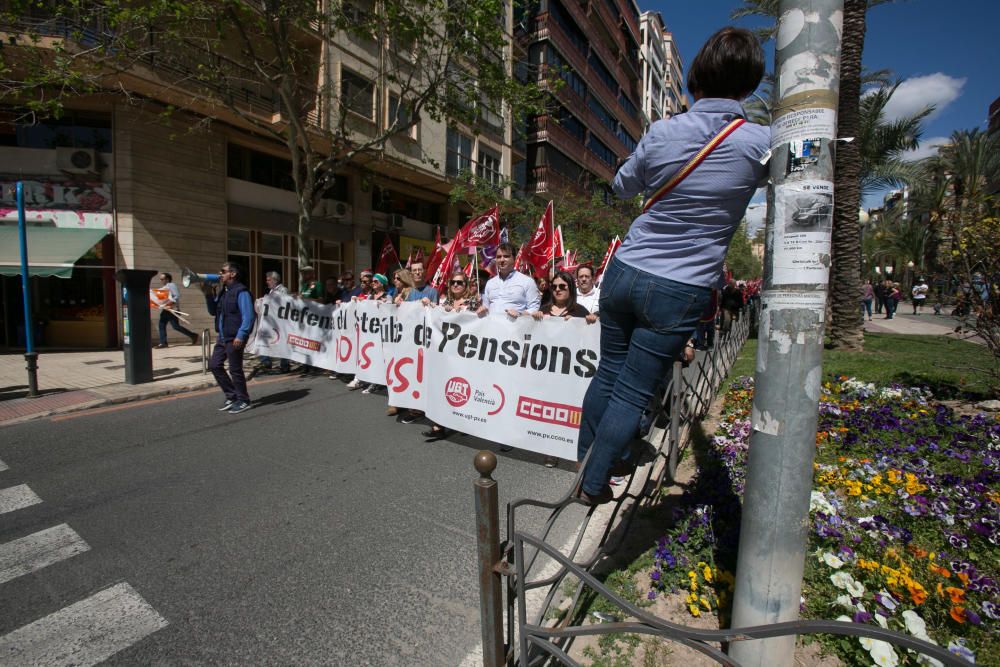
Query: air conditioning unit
338, 209
396, 221
76, 160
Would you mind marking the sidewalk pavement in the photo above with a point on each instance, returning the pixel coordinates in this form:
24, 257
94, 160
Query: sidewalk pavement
925, 324
72, 381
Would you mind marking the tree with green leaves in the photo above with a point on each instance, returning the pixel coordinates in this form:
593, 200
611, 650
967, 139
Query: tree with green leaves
264, 65
740, 257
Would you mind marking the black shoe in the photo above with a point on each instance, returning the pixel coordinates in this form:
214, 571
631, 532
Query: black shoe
605, 496
240, 406
410, 417
506, 448
437, 433
551, 461
228, 404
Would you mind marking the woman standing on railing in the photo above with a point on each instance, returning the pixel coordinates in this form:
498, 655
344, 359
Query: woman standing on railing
698, 171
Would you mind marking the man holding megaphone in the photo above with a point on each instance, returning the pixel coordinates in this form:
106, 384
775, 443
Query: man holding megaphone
234, 319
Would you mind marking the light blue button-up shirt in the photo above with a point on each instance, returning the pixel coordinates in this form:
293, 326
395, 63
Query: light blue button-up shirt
517, 291
685, 235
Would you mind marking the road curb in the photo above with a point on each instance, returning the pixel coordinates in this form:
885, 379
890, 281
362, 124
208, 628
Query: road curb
156, 392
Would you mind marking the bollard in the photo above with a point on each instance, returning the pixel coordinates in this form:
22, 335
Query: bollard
488, 555
205, 342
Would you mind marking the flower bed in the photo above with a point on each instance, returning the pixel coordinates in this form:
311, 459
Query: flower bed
905, 513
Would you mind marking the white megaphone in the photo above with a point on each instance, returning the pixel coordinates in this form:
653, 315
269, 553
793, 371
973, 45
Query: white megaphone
189, 277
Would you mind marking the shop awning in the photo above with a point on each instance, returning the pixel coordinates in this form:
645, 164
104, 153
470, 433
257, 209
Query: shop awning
52, 251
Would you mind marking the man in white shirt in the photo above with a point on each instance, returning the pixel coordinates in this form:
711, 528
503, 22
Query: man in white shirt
587, 295
167, 312
509, 291
919, 294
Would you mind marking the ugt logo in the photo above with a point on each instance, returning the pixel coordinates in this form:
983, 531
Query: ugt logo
457, 392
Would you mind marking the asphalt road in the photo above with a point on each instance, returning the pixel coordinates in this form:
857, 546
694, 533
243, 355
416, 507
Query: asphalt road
312, 529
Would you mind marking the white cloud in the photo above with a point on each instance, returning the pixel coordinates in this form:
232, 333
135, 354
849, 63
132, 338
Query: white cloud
927, 148
919, 92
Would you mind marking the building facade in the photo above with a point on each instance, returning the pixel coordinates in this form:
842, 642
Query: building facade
662, 70
197, 186
595, 118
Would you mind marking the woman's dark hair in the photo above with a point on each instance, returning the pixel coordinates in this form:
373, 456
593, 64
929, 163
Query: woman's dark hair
568, 278
729, 65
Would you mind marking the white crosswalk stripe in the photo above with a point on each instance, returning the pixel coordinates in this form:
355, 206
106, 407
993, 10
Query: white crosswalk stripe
17, 497
33, 552
85, 632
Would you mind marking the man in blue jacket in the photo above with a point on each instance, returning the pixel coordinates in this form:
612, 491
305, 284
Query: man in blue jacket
234, 318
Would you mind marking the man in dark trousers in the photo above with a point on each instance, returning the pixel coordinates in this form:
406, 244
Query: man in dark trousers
234, 318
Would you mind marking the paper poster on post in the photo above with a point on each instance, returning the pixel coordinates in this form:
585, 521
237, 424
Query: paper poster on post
818, 123
803, 221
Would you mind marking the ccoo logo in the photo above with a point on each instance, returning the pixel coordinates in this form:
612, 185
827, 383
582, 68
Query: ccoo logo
457, 392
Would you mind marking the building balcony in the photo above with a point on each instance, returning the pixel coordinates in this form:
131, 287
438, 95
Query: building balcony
548, 130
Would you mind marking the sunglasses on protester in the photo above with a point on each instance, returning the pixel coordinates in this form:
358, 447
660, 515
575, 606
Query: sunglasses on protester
457, 282
558, 287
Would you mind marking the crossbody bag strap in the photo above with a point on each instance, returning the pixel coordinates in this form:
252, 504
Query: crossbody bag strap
693, 163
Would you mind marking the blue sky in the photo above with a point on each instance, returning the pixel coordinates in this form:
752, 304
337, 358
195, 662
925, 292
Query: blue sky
946, 53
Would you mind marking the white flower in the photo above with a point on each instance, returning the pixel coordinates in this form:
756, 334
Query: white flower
845, 601
930, 662
915, 625
881, 620
832, 560
856, 588
819, 503
845, 619
882, 654
842, 580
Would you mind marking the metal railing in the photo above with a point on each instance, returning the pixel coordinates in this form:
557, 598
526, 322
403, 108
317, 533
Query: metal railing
542, 618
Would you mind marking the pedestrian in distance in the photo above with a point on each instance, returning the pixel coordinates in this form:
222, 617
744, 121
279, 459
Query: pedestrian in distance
659, 282
234, 315
919, 294
867, 296
173, 303
310, 289
274, 286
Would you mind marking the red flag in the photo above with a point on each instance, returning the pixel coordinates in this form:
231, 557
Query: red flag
558, 247
444, 269
539, 252
387, 257
480, 230
521, 261
569, 262
416, 256
612, 248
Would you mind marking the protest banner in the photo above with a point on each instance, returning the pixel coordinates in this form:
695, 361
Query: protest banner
307, 332
519, 382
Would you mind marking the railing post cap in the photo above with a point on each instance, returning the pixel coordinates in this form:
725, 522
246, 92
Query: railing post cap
485, 462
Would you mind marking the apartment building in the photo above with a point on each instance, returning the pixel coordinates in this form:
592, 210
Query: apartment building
662, 70
595, 117
165, 179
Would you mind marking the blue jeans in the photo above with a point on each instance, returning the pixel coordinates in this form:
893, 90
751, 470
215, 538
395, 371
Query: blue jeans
645, 322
